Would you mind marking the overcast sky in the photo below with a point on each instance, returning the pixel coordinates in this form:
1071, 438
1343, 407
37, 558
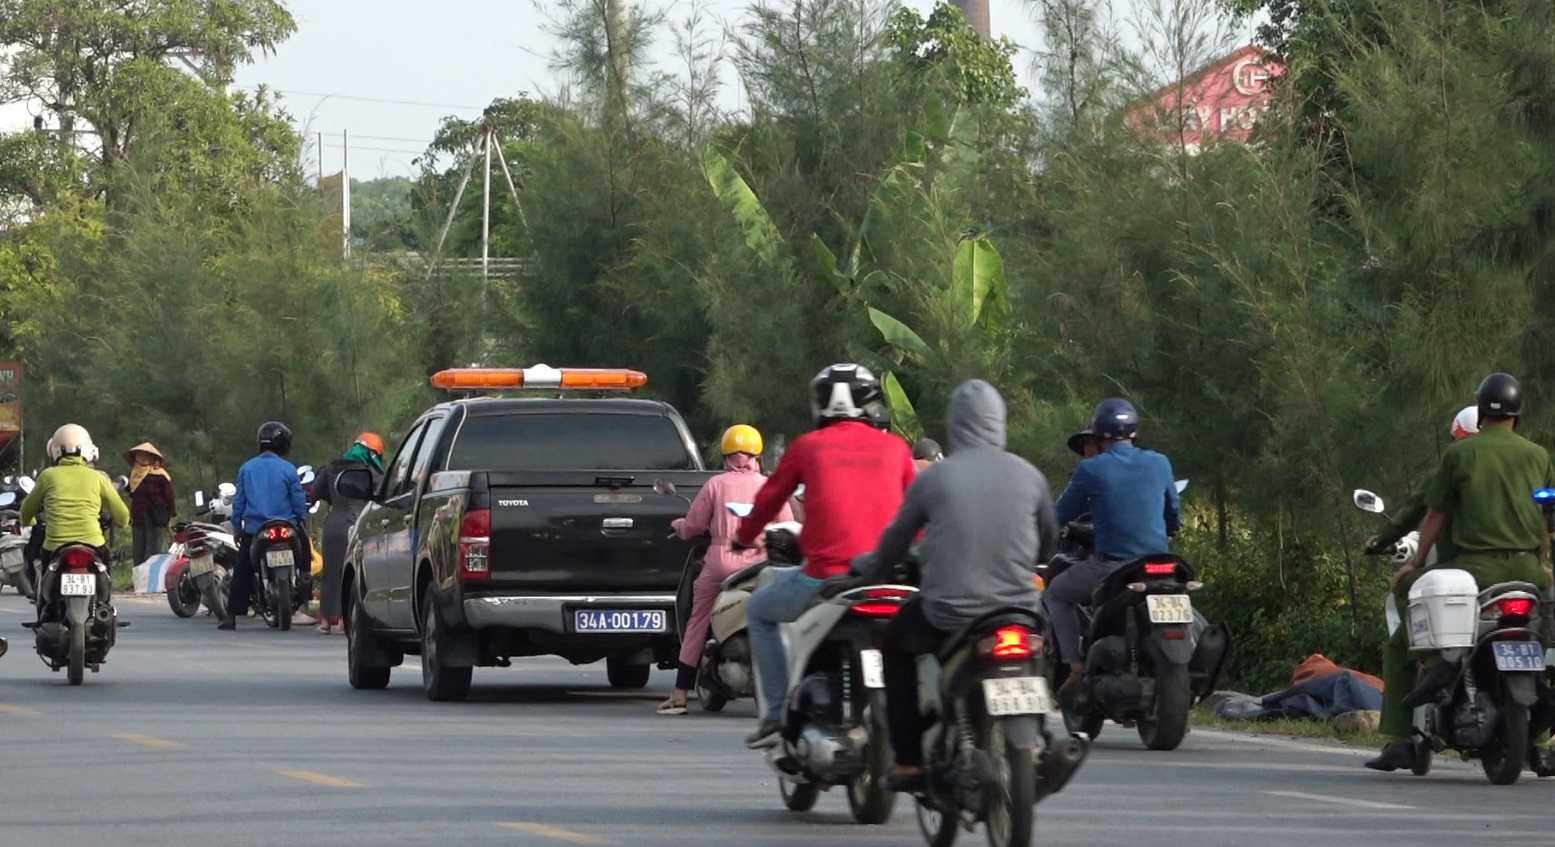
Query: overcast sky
447, 58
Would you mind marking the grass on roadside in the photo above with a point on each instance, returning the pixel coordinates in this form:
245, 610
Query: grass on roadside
1289, 727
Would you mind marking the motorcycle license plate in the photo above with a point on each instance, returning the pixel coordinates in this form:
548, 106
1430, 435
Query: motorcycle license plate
201, 565
1019, 695
1518, 656
873, 668
1169, 608
77, 584
620, 620
280, 558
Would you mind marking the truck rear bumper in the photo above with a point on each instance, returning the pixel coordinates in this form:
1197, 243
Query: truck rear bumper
553, 613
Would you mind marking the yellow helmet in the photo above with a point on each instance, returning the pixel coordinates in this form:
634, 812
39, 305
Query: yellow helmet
742, 438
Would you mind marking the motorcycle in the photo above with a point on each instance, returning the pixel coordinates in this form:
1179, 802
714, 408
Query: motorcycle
77, 624
206, 552
1147, 656
833, 717
989, 751
277, 551
725, 672
14, 569
1492, 660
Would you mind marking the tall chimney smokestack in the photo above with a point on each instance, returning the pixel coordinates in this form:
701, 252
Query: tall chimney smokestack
976, 14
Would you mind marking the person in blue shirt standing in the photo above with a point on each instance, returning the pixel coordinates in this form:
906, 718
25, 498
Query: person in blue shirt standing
1132, 499
268, 490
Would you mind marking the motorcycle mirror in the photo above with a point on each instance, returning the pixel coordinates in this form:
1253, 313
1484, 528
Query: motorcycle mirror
1367, 501
1182, 485
741, 510
25, 484
7, 499
665, 487
199, 499
305, 473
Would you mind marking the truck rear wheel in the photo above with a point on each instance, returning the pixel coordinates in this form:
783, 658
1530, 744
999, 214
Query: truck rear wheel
441, 682
623, 675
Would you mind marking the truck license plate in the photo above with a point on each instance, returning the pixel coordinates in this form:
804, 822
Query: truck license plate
1169, 608
201, 565
280, 558
1518, 656
1019, 695
620, 620
77, 584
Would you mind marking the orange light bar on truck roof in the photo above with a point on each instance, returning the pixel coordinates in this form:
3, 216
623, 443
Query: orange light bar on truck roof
539, 376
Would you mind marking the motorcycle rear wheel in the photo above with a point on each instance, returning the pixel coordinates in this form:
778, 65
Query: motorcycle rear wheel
1507, 754
215, 598
281, 604
184, 598
1168, 722
870, 801
1012, 798
76, 671
710, 699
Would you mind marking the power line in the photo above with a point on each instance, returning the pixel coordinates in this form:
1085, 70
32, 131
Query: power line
380, 137
338, 146
366, 99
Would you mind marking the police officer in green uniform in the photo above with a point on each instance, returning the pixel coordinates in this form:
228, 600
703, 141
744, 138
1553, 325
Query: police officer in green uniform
1407, 518
1486, 485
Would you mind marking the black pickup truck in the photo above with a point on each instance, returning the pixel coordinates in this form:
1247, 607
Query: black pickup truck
520, 527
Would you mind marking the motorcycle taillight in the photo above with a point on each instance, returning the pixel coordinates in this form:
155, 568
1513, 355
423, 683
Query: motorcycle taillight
278, 533
77, 559
1010, 643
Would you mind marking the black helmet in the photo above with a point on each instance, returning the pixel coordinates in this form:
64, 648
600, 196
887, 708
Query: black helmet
275, 437
927, 450
1077, 441
1116, 419
848, 392
1499, 396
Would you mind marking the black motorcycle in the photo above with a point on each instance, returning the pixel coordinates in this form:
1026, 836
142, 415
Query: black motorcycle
1147, 656
278, 552
77, 624
990, 753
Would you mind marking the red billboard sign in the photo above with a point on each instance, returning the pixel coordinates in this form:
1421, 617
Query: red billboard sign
1220, 102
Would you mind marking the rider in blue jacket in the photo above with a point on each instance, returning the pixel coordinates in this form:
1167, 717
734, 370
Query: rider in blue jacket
268, 490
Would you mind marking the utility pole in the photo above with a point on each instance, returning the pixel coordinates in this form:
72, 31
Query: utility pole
345, 189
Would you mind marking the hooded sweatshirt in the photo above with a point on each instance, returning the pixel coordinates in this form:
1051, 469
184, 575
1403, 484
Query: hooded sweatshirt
987, 516
738, 483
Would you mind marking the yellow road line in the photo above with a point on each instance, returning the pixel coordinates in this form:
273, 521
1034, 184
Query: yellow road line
322, 779
148, 740
553, 832
15, 710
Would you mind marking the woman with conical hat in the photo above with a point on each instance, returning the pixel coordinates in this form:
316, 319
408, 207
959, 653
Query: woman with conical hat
153, 504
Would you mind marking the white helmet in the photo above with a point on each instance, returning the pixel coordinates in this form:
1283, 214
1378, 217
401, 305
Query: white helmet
72, 440
1466, 423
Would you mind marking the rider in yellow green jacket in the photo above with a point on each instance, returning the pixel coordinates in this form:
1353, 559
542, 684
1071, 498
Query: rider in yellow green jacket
73, 494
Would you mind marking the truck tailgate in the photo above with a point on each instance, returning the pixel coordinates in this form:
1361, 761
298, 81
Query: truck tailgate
587, 532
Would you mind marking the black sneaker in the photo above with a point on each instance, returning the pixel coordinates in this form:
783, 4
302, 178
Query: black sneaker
1398, 755
766, 734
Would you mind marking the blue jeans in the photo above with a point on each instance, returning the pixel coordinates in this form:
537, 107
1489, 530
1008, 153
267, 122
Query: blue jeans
781, 602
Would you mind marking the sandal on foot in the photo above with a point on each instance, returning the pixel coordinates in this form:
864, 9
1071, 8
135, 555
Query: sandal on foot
670, 707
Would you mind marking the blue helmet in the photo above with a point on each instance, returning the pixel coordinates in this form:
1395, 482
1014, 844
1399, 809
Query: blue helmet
1115, 420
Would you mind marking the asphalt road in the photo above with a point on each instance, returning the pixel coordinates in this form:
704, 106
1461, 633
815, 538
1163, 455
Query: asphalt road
193, 736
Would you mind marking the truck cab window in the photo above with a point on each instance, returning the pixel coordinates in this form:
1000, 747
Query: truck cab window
422, 464
397, 480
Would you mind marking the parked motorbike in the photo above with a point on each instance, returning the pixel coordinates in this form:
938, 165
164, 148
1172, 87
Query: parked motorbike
989, 749
833, 717
14, 569
77, 624
207, 552
1492, 660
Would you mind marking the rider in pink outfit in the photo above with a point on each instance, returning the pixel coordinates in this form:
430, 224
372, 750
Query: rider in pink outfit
739, 482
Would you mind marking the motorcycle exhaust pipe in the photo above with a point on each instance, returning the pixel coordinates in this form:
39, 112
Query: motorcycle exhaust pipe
1058, 763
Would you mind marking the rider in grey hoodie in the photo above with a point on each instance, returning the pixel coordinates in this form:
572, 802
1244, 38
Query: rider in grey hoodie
988, 519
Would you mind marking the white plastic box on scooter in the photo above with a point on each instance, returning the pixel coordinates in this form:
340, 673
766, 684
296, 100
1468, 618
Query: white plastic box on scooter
1443, 610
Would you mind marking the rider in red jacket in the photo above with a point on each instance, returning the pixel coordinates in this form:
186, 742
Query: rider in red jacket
854, 476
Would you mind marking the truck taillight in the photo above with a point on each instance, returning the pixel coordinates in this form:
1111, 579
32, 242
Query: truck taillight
475, 545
